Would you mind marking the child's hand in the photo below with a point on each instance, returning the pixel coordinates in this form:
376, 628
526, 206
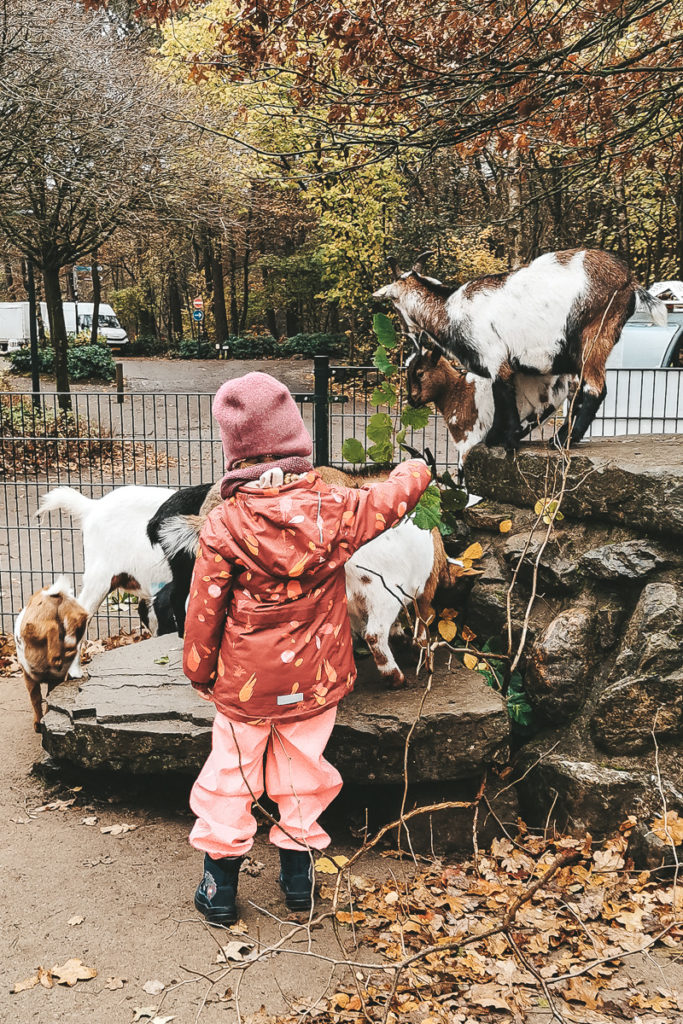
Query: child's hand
204, 690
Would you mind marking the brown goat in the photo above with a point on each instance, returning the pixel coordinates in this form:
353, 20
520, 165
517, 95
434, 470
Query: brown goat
465, 400
47, 632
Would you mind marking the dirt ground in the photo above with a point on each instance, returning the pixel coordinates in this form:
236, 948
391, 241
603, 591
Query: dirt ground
134, 893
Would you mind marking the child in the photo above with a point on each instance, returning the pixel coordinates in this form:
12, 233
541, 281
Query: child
267, 636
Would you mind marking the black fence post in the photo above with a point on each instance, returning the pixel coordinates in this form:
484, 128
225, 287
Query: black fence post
119, 383
321, 411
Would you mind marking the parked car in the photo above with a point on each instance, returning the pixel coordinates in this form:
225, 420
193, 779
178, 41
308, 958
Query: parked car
644, 345
14, 326
644, 380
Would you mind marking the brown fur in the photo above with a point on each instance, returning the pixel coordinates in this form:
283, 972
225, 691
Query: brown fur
124, 581
52, 626
449, 389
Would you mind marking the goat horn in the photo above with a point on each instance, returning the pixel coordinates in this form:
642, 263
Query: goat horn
391, 263
422, 258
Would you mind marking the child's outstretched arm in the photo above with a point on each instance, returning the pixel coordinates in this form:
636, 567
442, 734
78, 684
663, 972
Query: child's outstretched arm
376, 507
209, 596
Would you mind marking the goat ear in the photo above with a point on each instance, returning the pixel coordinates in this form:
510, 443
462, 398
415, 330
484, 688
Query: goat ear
435, 355
393, 267
419, 263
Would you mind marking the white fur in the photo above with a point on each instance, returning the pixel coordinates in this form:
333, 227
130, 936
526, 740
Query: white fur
398, 564
525, 318
115, 542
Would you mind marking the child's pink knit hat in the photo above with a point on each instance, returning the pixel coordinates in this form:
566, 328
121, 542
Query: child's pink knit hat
258, 416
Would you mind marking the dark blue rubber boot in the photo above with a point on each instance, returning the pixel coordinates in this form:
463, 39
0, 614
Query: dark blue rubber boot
217, 892
296, 879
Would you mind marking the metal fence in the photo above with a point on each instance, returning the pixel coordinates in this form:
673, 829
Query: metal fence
114, 438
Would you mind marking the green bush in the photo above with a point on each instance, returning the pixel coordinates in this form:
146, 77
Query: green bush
252, 346
147, 345
21, 360
188, 349
310, 345
84, 362
90, 362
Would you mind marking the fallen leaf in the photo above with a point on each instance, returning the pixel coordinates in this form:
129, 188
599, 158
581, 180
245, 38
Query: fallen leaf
488, 995
473, 551
143, 1011
76, 919
470, 661
72, 971
669, 828
447, 629
92, 820
161, 1020
55, 805
118, 830
330, 865
113, 983
163, 660
41, 977
391, 898
234, 951
153, 988
505, 526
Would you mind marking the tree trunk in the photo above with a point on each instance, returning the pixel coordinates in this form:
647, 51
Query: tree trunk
245, 278
174, 304
220, 318
96, 296
271, 317
234, 311
9, 279
58, 339
515, 207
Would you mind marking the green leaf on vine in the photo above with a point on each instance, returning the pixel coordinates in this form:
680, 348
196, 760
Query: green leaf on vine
384, 329
384, 394
415, 418
382, 452
379, 427
427, 512
353, 450
383, 363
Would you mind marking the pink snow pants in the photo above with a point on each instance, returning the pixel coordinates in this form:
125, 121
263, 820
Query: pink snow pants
297, 778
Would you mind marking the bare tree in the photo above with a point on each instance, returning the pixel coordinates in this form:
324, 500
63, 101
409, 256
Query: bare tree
90, 140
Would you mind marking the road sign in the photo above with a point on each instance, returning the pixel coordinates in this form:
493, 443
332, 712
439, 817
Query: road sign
198, 304
197, 315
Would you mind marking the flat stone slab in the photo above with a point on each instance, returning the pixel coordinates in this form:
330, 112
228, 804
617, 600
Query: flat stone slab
136, 715
633, 480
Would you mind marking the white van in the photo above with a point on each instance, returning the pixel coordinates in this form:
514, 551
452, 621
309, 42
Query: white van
15, 327
107, 322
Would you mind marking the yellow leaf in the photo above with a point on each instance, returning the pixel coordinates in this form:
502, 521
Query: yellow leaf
72, 971
538, 507
447, 629
470, 661
669, 823
473, 551
505, 526
331, 865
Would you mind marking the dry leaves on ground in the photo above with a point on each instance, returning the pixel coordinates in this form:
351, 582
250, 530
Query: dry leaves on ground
118, 830
69, 973
586, 920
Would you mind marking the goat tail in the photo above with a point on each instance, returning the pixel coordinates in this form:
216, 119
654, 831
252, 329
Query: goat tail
451, 575
66, 499
179, 535
654, 306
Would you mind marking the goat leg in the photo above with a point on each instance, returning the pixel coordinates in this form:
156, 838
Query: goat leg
506, 428
34, 692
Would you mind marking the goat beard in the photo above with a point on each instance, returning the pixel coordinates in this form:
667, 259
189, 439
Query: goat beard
235, 478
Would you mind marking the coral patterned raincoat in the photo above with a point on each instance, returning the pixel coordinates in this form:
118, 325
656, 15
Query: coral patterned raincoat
267, 624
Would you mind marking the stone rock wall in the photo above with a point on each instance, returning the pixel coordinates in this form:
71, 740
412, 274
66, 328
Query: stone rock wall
603, 661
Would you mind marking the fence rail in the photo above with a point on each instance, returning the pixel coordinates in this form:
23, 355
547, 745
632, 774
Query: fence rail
170, 440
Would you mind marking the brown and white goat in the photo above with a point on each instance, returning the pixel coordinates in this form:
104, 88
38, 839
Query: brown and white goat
398, 570
561, 314
465, 400
47, 632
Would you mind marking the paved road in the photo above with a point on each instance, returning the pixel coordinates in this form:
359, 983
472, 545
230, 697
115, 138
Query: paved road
179, 376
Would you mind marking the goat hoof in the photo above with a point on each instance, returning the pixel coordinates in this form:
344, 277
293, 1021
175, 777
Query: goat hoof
397, 681
36, 727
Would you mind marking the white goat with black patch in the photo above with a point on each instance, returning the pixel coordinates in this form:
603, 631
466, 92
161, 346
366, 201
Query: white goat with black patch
561, 314
117, 552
